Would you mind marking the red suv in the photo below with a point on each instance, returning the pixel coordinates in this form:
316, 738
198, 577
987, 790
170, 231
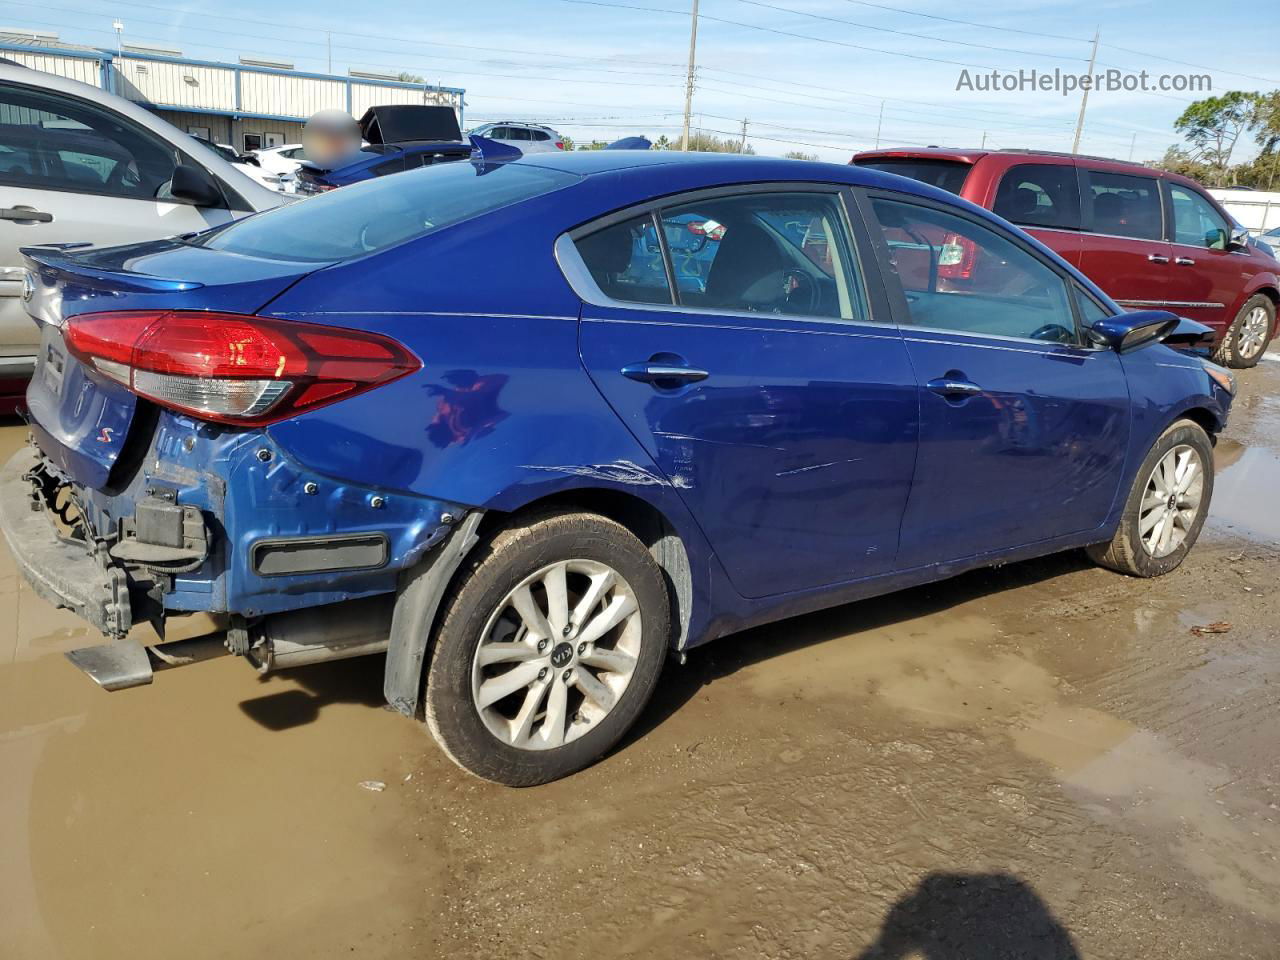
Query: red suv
1150, 239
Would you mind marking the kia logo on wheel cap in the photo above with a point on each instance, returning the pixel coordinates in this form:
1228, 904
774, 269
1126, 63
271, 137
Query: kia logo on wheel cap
561, 655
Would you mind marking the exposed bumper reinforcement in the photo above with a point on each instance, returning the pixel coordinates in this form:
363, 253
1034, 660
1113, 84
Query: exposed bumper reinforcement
64, 573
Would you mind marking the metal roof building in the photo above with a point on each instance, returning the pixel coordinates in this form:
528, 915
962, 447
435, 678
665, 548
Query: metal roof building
251, 104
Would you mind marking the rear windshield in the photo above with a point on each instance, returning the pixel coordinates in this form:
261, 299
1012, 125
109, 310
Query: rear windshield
354, 221
947, 174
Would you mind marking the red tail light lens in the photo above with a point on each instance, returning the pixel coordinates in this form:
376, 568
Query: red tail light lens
232, 368
957, 258
559, 144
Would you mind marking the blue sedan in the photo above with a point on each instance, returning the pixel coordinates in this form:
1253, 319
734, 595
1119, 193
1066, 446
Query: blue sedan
529, 427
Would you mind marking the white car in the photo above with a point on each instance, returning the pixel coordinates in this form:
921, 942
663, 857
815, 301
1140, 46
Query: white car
79, 164
281, 160
526, 137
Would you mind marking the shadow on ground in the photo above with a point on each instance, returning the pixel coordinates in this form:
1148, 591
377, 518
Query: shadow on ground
955, 916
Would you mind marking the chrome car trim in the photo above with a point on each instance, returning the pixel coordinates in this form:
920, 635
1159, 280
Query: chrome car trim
1168, 303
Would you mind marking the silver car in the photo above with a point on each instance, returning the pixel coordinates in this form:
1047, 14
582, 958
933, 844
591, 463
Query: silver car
81, 165
527, 137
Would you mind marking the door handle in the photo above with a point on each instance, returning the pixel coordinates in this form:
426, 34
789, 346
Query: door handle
649, 372
1185, 262
952, 388
29, 214
1156, 258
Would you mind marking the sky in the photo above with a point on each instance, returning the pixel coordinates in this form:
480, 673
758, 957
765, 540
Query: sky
818, 76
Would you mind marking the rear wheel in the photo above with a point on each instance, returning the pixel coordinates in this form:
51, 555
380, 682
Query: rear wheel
547, 650
1167, 506
1247, 338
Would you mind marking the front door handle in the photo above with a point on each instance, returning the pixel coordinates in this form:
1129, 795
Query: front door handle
1156, 258
1184, 262
27, 214
953, 388
651, 372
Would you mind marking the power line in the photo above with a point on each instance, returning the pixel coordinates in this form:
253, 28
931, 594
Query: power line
905, 33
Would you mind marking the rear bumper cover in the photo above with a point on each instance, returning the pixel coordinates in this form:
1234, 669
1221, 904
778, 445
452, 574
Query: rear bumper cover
65, 573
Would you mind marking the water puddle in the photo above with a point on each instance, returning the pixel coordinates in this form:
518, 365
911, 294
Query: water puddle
1245, 491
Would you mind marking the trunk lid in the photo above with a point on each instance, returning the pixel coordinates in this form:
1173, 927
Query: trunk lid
83, 422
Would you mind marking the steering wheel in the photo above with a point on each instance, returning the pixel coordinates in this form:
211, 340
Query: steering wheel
1054, 333
799, 291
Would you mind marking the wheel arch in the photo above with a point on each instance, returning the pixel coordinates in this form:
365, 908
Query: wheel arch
647, 522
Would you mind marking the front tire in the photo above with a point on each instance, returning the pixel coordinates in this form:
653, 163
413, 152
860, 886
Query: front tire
547, 649
1166, 507
1246, 339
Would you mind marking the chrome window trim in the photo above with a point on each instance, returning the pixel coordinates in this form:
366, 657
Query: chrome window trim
1168, 303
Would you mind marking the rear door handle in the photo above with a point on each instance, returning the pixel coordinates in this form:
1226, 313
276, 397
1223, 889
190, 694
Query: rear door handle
1184, 262
953, 388
1156, 258
649, 372
29, 214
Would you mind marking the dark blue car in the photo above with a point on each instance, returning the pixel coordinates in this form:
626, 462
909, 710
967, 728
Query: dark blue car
482, 417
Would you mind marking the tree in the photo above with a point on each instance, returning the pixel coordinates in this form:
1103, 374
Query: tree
1213, 125
1180, 160
709, 143
568, 142
1264, 121
662, 143
410, 78
800, 155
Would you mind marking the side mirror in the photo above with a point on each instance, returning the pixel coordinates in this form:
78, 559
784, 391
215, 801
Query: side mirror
1130, 331
194, 185
1239, 240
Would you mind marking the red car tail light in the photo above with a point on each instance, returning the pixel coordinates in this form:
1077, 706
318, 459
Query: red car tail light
232, 368
559, 144
957, 258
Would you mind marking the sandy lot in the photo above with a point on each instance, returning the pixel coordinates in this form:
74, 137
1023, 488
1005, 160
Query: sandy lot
1038, 761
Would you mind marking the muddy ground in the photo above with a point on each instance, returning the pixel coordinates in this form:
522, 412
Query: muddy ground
1038, 761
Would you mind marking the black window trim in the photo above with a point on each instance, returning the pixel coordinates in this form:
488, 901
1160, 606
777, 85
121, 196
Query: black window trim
875, 305
231, 201
898, 298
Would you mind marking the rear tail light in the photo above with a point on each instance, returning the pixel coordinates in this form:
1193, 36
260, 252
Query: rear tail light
957, 257
232, 368
559, 144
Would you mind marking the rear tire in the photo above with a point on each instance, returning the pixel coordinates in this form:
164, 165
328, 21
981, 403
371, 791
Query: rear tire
547, 649
1166, 507
1247, 338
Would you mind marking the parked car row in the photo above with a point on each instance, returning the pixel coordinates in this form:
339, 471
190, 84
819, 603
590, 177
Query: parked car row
1150, 238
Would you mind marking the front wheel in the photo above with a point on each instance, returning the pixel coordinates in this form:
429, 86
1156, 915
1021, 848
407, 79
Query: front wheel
1167, 506
1247, 337
547, 650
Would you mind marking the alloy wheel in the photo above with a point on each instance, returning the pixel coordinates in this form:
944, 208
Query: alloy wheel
1171, 501
1253, 333
556, 655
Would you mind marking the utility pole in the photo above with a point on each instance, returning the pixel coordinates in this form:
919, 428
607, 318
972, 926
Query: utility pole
688, 83
879, 123
1084, 100
328, 39
984, 140
1133, 142
742, 146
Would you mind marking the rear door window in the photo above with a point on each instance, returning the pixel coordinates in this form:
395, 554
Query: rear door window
778, 253
945, 174
1122, 205
625, 261
1040, 195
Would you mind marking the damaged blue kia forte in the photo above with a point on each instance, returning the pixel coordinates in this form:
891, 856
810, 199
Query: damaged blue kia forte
527, 427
